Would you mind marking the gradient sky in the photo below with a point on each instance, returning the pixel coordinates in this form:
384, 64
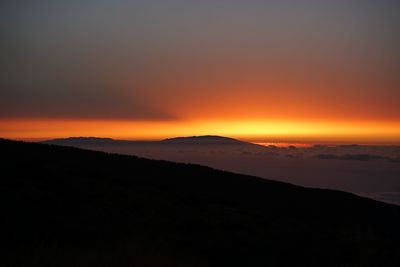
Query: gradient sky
290, 70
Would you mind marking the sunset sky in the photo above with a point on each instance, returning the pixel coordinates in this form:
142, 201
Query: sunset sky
300, 70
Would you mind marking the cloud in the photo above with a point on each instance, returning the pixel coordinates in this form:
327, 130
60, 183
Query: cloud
358, 157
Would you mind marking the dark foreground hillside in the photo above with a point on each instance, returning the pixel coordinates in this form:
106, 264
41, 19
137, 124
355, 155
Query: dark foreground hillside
62, 206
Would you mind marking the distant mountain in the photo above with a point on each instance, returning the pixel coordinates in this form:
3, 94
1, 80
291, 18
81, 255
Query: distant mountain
63, 206
205, 139
193, 140
79, 140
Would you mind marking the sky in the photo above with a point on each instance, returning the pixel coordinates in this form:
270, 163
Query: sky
267, 70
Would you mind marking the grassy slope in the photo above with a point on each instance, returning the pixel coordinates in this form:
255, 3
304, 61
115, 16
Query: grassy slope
64, 206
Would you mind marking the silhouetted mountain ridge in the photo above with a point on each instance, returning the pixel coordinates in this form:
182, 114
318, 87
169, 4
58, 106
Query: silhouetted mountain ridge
204, 139
80, 139
192, 140
64, 206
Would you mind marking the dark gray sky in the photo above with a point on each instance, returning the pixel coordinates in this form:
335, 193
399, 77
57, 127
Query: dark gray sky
168, 60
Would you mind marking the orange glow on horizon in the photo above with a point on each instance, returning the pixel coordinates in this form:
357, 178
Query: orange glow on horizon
251, 130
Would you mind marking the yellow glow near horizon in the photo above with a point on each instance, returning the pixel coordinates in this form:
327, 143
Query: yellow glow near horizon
379, 132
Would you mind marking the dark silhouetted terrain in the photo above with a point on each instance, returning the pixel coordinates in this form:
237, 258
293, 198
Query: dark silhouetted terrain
206, 139
63, 206
366, 170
